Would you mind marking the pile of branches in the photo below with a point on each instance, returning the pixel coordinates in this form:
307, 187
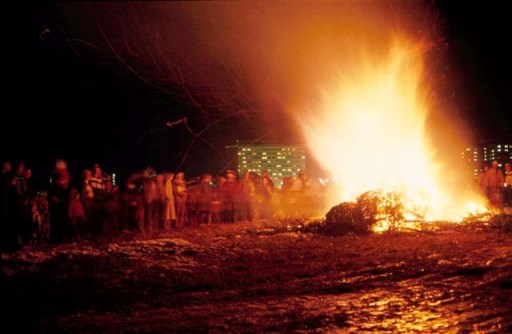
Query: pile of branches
370, 209
499, 222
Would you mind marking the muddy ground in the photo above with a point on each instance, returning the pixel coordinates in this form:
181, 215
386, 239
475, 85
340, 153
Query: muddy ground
260, 278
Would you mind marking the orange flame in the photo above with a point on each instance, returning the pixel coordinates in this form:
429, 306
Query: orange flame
369, 132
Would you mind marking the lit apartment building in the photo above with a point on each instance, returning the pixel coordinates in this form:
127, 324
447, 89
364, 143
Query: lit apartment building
278, 160
486, 152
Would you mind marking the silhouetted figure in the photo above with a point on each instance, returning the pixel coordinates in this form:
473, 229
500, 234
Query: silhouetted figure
170, 207
507, 191
205, 197
59, 199
230, 190
76, 214
495, 181
180, 197
482, 180
97, 181
150, 201
266, 195
8, 231
22, 207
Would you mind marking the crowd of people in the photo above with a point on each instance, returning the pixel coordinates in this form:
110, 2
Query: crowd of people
496, 185
151, 202
147, 202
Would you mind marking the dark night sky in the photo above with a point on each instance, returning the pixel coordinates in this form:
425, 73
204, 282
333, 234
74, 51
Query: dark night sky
478, 34
87, 109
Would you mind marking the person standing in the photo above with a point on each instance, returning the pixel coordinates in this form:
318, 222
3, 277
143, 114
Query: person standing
97, 181
482, 180
22, 207
205, 196
230, 190
170, 209
8, 233
507, 191
59, 203
180, 198
267, 195
150, 200
160, 208
495, 182
87, 195
76, 213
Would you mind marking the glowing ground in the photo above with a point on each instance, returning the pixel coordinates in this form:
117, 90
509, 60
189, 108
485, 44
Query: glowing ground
255, 278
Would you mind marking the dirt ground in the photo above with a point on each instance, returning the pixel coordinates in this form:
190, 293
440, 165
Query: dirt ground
260, 278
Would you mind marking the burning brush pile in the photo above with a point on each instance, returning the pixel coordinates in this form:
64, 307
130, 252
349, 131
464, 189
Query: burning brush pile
379, 211
372, 211
381, 125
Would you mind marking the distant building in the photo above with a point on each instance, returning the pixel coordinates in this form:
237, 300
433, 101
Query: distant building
486, 152
278, 160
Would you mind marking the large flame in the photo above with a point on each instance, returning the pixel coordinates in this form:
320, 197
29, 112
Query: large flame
380, 120
369, 132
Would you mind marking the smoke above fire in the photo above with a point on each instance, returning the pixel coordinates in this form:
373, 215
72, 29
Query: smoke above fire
262, 62
365, 84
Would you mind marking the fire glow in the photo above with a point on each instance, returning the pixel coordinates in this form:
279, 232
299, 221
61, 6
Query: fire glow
369, 132
354, 75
